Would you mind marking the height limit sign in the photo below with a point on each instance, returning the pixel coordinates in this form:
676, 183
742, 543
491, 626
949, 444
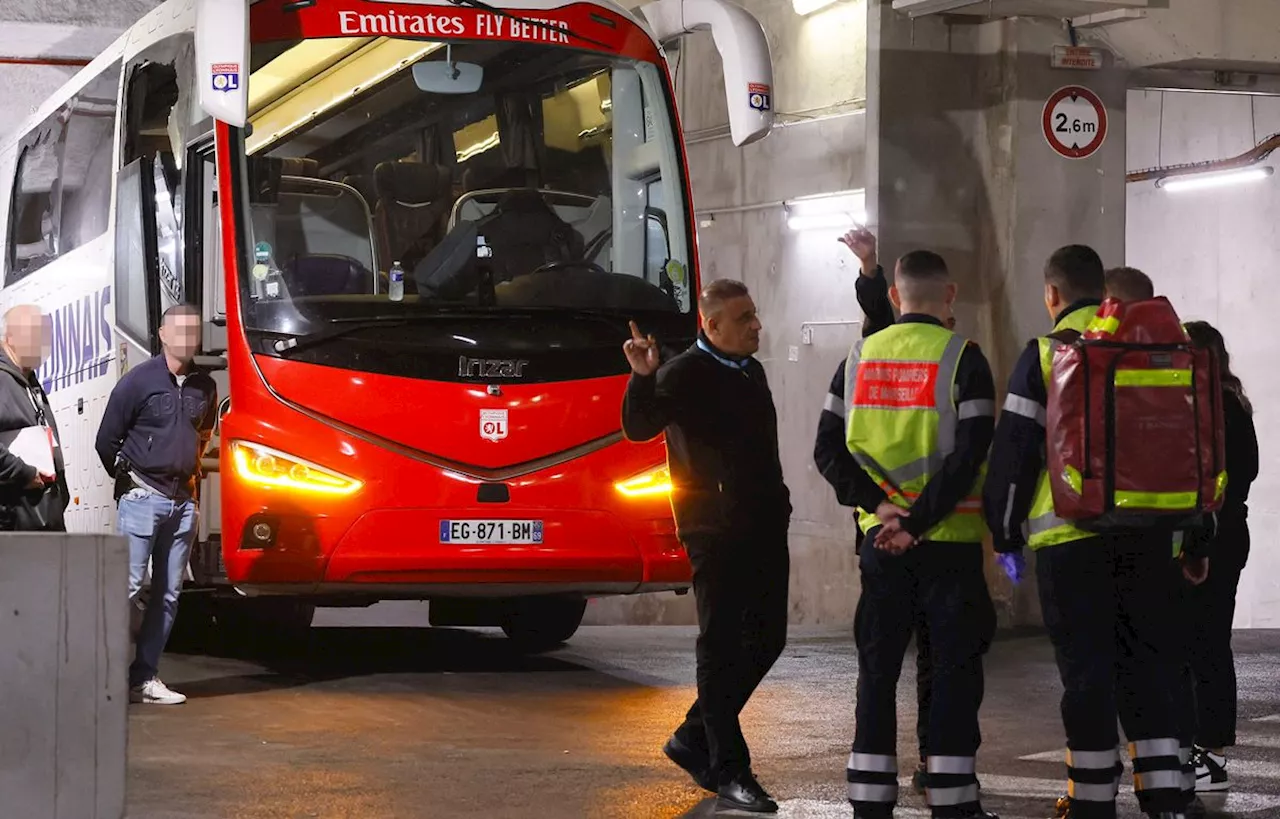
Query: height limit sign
1075, 122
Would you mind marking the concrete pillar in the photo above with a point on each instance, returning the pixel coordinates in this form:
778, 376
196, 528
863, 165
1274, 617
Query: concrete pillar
63, 675
957, 162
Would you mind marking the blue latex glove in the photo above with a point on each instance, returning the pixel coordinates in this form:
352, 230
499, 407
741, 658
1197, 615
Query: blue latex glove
1014, 565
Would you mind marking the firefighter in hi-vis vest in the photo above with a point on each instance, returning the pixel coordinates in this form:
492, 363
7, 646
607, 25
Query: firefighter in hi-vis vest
921, 414
1105, 598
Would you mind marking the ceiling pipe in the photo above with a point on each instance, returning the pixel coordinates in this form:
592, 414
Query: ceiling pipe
73, 62
1260, 152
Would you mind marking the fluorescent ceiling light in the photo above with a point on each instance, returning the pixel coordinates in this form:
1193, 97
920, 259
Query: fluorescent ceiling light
917, 8
1218, 179
840, 210
821, 221
806, 7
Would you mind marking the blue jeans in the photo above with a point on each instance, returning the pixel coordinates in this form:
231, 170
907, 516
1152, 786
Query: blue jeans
161, 531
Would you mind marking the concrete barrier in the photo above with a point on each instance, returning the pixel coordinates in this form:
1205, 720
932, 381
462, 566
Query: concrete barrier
64, 658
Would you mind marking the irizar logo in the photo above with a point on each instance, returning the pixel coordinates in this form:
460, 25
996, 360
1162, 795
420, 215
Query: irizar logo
490, 367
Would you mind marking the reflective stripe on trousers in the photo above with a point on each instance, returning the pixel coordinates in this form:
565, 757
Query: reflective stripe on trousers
1093, 776
873, 779
1157, 764
952, 782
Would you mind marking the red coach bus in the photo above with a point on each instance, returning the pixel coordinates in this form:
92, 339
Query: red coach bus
417, 231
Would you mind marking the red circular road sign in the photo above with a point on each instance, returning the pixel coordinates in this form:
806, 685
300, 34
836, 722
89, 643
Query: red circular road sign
1075, 122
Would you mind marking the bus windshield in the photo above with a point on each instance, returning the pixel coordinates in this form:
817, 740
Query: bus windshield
519, 178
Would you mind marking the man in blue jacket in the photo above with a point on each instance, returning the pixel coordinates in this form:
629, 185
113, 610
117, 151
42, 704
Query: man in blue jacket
155, 429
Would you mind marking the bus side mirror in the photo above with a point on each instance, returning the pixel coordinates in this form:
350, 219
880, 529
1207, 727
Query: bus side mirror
744, 52
222, 59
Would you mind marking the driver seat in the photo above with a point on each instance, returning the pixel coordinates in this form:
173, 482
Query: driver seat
525, 234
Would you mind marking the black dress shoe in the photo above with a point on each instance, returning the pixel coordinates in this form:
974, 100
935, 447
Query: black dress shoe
743, 792
691, 762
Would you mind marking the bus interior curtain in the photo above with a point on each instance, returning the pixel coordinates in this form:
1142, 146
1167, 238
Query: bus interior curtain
519, 130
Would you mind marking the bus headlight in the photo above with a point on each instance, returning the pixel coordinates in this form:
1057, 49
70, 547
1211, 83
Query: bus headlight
264, 466
656, 481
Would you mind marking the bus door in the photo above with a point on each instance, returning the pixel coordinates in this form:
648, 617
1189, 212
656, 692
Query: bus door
205, 276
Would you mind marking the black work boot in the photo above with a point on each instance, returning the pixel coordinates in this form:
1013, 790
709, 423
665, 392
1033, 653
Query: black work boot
743, 792
696, 764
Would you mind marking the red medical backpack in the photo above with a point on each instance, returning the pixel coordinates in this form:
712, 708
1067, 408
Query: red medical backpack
1134, 422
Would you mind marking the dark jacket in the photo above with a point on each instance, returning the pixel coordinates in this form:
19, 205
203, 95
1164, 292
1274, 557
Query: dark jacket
722, 440
157, 427
1232, 540
22, 509
830, 447
1017, 454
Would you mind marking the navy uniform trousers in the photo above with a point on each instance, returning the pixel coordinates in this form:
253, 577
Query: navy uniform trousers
944, 583
1110, 608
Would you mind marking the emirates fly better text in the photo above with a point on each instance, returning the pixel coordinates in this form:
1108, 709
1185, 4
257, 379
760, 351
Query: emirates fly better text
483, 26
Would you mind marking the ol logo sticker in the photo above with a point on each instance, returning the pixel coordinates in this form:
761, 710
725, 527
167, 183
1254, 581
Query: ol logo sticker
493, 424
226, 77
758, 96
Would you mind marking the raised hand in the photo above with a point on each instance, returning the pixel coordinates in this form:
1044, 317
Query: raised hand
863, 244
641, 352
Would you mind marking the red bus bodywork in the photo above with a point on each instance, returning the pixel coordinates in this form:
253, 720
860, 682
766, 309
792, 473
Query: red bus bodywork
562, 457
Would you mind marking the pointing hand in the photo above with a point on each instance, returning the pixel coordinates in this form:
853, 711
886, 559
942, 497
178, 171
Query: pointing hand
641, 352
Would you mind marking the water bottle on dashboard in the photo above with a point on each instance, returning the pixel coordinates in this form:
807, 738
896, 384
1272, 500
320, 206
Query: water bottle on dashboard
396, 291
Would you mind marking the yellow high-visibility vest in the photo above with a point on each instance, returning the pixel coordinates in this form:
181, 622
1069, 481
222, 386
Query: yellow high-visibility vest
1044, 527
900, 397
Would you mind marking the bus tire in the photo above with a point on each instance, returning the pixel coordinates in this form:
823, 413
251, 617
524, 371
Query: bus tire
541, 623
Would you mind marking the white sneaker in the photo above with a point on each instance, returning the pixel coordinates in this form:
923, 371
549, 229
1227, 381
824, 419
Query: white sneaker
155, 692
1211, 771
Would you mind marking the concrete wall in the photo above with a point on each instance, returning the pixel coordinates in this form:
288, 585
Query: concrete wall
959, 164
64, 29
63, 674
1215, 254
819, 87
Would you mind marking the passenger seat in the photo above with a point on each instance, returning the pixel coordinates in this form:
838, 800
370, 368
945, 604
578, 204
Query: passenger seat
413, 202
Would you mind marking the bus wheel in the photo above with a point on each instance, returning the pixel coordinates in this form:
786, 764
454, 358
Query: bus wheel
251, 620
542, 623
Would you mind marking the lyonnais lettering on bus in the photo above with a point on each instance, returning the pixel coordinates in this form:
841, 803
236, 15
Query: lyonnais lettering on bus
81, 342
483, 26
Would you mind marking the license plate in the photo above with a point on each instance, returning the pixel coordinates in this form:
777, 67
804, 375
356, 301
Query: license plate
504, 532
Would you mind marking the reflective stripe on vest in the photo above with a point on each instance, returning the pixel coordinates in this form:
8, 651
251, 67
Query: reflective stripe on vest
901, 419
1044, 528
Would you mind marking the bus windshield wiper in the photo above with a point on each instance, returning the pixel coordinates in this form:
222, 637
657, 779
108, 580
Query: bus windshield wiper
483, 6
342, 327
345, 325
